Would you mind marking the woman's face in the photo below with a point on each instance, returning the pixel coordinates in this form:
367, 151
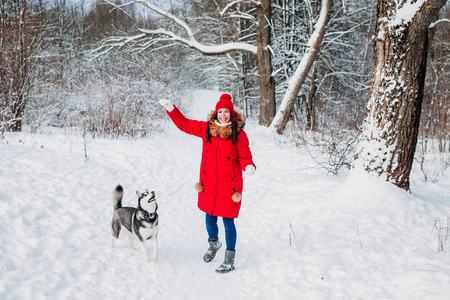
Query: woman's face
223, 115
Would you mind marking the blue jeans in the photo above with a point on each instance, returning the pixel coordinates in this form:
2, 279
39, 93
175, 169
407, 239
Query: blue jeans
230, 231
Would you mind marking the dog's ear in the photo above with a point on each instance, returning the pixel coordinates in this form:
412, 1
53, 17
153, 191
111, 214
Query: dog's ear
138, 194
146, 190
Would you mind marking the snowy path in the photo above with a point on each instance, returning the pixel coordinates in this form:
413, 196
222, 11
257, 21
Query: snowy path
301, 234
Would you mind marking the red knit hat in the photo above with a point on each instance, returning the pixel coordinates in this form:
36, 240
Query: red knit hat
225, 102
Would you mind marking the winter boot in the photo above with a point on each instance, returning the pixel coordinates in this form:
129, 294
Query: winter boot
228, 263
214, 246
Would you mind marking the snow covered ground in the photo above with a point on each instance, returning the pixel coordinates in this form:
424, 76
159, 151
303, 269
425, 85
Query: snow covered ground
301, 234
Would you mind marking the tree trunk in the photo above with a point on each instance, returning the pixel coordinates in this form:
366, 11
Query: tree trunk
311, 102
390, 130
264, 58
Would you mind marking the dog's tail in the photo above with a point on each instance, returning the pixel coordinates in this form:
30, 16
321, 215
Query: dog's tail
117, 196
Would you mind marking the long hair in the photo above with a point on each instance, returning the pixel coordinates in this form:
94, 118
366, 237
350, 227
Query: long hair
234, 129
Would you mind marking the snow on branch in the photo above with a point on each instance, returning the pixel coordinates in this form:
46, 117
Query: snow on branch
275, 73
190, 41
229, 5
205, 49
432, 25
243, 16
115, 42
157, 10
403, 14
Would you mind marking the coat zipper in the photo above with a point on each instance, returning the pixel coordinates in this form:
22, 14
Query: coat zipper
217, 180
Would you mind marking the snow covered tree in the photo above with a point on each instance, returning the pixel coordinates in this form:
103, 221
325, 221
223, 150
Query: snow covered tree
389, 134
299, 77
329, 100
20, 38
185, 35
435, 123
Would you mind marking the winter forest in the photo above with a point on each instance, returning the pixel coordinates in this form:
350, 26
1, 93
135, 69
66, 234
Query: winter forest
305, 67
350, 84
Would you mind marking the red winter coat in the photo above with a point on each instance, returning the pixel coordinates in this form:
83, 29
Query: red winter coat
222, 163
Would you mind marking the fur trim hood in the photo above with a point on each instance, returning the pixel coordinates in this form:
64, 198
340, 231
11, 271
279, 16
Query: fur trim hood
224, 132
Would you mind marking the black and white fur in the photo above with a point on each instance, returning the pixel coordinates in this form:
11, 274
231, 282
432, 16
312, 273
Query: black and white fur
140, 222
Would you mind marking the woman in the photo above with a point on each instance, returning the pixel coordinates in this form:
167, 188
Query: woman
225, 154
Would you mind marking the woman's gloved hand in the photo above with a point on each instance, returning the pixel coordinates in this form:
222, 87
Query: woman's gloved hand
166, 104
250, 170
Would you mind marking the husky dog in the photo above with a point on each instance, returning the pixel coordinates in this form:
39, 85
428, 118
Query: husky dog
140, 222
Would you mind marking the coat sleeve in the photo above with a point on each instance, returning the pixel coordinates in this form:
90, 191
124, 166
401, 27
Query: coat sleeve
192, 127
244, 154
